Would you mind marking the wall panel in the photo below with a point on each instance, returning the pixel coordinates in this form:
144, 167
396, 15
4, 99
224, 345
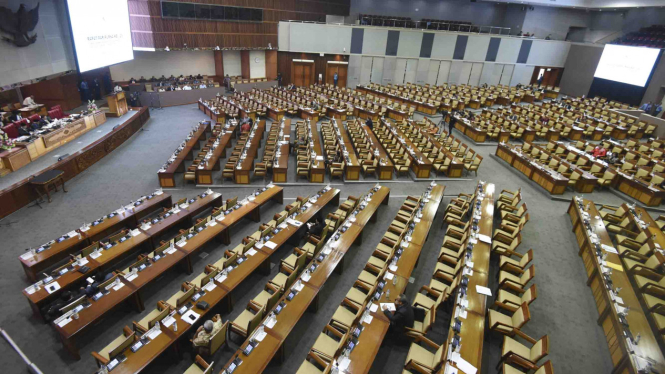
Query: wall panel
476, 48
389, 66
374, 42
433, 72
444, 73
400, 70
257, 64
508, 50
474, 76
423, 70
175, 63
548, 53
444, 45
353, 78
409, 44
231, 61
377, 69
411, 68
366, 70
506, 74
521, 74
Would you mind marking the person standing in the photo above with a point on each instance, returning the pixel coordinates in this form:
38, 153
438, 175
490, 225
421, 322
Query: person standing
85, 91
108, 85
369, 123
335, 78
227, 82
451, 123
97, 89
279, 79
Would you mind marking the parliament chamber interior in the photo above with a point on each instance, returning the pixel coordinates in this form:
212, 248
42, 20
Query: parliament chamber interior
332, 186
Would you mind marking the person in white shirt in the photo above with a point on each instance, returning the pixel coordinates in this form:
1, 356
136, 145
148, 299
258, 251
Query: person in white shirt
203, 86
117, 89
29, 101
187, 88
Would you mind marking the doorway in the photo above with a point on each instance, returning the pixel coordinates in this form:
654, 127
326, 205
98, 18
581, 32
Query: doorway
302, 72
546, 76
339, 67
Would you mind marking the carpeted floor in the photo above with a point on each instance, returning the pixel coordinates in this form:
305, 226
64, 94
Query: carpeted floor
564, 310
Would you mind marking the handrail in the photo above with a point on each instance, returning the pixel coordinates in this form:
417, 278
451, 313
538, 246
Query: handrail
32, 367
440, 26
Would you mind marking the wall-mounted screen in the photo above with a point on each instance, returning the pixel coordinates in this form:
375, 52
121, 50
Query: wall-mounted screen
630, 65
101, 32
174, 9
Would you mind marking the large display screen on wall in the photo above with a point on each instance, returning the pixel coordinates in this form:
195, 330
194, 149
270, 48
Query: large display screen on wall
101, 33
630, 65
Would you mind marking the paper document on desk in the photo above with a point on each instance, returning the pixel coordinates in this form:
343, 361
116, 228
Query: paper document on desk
118, 286
27, 255
135, 232
251, 252
483, 290
282, 225
64, 322
373, 308
450, 370
271, 245
393, 268
389, 275
132, 277
260, 336
221, 278
466, 367
170, 251
168, 321
210, 286
389, 306
271, 322
614, 266
211, 224
485, 239
609, 248
154, 333
52, 287
187, 317
95, 255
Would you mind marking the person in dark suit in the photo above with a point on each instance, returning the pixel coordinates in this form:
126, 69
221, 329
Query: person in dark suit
317, 228
335, 78
401, 319
451, 123
369, 123
52, 311
16, 116
97, 89
24, 129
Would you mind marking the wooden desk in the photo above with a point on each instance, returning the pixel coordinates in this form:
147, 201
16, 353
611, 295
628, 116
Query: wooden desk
622, 359
550, 180
167, 175
385, 165
137, 362
420, 168
32, 265
317, 171
353, 167
280, 166
204, 172
246, 166
263, 353
455, 169
47, 179
638, 189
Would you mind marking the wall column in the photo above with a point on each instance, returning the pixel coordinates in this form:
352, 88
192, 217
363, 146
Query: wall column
219, 64
244, 64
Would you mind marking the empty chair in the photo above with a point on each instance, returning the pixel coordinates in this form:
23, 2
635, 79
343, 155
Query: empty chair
329, 343
516, 353
508, 324
510, 301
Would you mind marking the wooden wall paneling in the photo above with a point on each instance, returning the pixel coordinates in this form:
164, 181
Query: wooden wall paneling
244, 64
62, 90
342, 71
271, 64
284, 60
219, 64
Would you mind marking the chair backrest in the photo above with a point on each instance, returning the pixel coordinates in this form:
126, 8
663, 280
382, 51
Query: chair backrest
521, 316
255, 321
540, 349
528, 275
530, 295
219, 338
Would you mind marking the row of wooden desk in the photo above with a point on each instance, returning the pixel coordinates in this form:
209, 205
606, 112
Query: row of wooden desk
352, 167
246, 166
212, 163
371, 338
272, 343
550, 180
420, 164
420, 106
181, 252
385, 165
456, 168
176, 163
317, 170
69, 244
135, 362
280, 165
606, 274
146, 237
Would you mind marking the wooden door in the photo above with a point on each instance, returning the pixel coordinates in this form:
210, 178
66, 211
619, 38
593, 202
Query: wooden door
307, 74
297, 73
342, 72
331, 69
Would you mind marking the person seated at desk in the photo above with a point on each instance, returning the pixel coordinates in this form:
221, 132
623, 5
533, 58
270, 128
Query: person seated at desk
246, 125
187, 88
204, 333
52, 311
161, 89
44, 121
317, 227
29, 101
177, 88
132, 80
142, 79
599, 152
199, 76
153, 79
512, 117
15, 116
369, 123
545, 120
401, 319
117, 88
91, 289
181, 78
203, 85
162, 78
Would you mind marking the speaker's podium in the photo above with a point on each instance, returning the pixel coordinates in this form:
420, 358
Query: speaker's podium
117, 104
